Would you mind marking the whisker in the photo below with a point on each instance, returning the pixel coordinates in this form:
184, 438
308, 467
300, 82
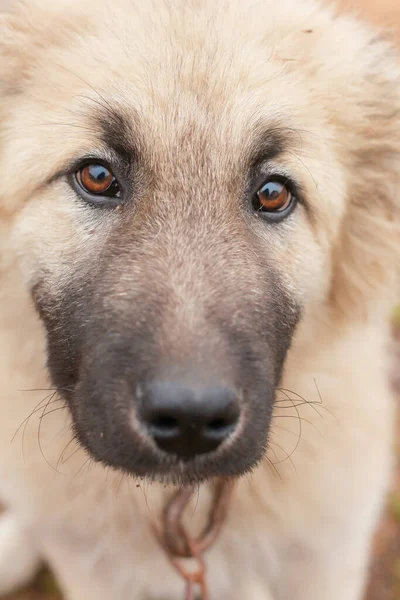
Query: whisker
60, 389
53, 410
120, 484
322, 404
273, 451
295, 403
286, 430
288, 456
61, 458
299, 417
37, 408
88, 460
303, 400
312, 403
271, 464
40, 429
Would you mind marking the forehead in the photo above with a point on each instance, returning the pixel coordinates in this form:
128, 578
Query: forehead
173, 68
173, 81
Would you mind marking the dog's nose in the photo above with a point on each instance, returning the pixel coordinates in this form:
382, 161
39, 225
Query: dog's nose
188, 421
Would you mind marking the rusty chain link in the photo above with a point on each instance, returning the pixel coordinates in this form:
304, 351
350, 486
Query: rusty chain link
178, 544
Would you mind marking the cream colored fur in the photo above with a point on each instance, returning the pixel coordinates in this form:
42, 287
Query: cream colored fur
300, 526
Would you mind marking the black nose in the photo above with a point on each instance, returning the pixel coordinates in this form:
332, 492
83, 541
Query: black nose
188, 421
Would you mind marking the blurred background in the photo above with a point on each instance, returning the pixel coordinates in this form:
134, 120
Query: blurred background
385, 567
385, 570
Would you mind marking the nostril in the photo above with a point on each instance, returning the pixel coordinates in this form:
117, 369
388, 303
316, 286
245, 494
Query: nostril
217, 425
164, 422
220, 428
163, 426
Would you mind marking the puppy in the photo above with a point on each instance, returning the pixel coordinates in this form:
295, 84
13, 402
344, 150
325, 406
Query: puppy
199, 240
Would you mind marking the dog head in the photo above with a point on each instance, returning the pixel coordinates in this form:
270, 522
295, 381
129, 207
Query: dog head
183, 183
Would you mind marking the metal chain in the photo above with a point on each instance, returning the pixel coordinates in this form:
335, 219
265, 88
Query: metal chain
178, 544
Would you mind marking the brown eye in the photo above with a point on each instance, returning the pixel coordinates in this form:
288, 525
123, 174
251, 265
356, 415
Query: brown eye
273, 196
97, 180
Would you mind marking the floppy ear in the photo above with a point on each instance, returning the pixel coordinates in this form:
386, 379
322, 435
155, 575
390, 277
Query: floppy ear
367, 256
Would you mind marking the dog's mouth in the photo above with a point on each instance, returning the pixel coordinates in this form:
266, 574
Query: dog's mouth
182, 449
179, 422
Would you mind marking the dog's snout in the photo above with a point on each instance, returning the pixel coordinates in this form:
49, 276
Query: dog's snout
188, 421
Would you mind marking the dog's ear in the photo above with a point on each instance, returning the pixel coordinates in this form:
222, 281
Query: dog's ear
367, 256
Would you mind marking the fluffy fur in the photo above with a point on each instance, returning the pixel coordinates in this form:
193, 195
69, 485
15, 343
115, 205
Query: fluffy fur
300, 525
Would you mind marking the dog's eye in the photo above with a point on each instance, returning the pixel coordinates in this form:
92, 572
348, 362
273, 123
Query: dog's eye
95, 181
274, 198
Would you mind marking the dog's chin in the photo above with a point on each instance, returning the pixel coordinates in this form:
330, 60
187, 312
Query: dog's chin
183, 474
156, 467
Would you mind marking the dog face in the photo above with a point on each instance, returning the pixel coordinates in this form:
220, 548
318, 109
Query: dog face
182, 187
